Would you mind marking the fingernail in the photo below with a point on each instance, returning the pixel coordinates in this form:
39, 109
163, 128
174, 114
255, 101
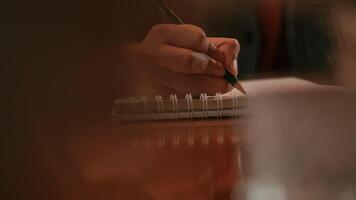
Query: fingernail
212, 46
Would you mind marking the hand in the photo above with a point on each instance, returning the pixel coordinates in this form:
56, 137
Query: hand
181, 59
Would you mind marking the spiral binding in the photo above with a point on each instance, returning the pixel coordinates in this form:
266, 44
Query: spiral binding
204, 100
190, 106
189, 100
157, 109
219, 106
144, 101
159, 102
175, 108
179, 138
234, 98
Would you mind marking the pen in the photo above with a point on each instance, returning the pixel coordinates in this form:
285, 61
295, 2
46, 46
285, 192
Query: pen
233, 80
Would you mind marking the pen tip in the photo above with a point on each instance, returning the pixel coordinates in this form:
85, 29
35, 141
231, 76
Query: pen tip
240, 88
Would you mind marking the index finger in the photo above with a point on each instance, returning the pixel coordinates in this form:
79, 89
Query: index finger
230, 49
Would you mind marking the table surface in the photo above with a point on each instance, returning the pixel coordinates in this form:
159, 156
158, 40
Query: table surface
302, 141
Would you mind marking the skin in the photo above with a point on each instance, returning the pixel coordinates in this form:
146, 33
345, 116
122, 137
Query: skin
172, 59
181, 59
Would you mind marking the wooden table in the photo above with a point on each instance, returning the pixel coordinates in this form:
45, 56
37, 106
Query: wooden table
97, 159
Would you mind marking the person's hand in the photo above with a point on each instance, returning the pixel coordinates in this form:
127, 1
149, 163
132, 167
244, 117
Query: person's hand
181, 59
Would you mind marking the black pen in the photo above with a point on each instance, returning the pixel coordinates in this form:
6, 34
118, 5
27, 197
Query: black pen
233, 80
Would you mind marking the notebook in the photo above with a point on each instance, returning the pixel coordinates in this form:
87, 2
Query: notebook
227, 105
231, 104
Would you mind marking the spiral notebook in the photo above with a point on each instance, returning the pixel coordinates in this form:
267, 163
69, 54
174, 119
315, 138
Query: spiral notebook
231, 104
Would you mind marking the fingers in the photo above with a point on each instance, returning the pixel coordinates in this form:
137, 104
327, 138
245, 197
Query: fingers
186, 61
194, 84
186, 51
183, 49
183, 36
230, 49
